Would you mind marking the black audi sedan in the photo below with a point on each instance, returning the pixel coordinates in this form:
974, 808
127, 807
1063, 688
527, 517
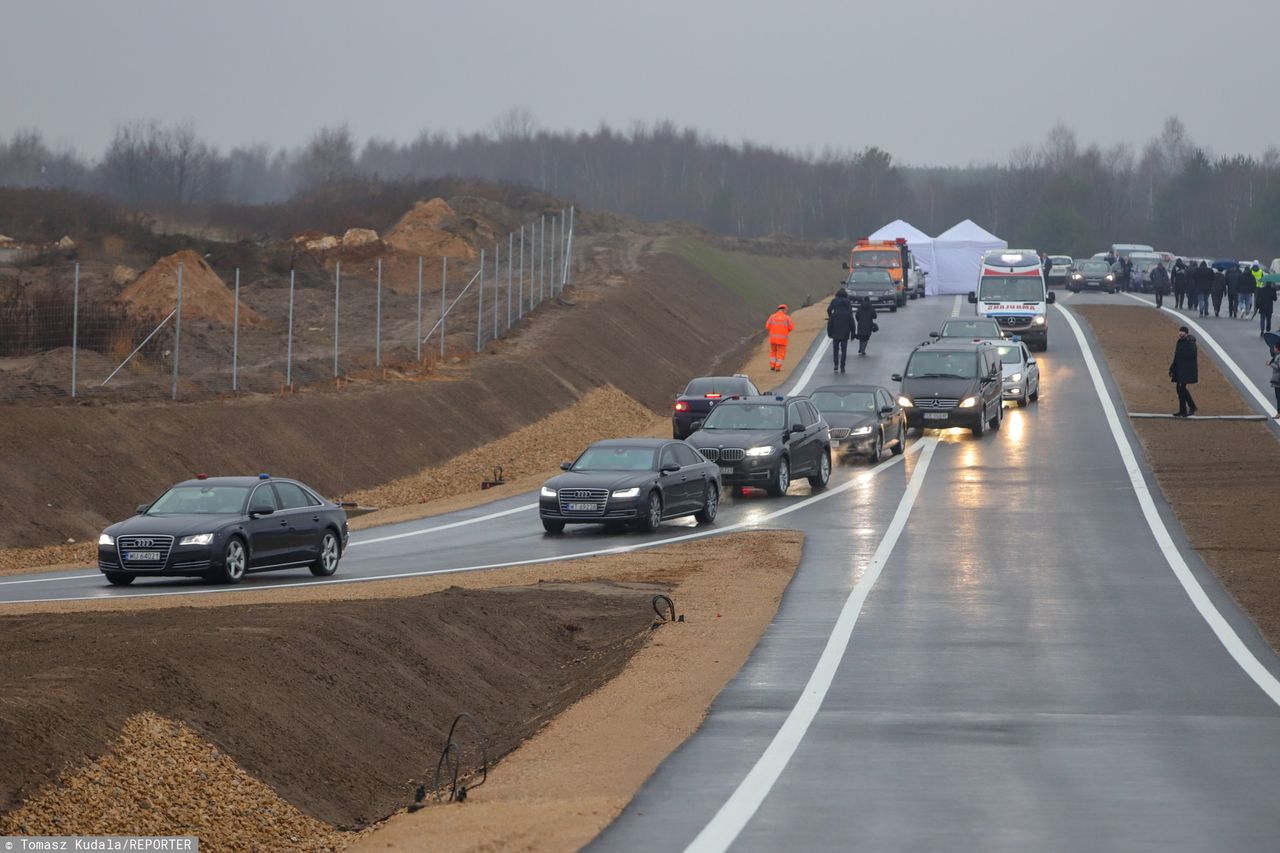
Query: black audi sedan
222, 528
637, 481
701, 395
765, 442
864, 419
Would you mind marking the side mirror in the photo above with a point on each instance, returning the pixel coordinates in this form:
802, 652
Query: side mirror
897, 377
935, 334
844, 265
886, 410
142, 508
1053, 297
566, 466
797, 428
261, 509
670, 469
695, 426
973, 298
1030, 361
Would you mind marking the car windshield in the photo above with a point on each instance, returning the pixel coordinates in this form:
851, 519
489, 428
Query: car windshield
844, 401
615, 458
970, 329
746, 416
1011, 288
1010, 355
948, 365
869, 276
877, 260
201, 500
722, 385
1095, 268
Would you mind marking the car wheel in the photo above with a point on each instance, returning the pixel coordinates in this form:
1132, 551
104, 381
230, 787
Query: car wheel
552, 526
901, 447
979, 429
330, 552
1034, 395
234, 562
998, 419
819, 481
781, 479
710, 506
893, 309
653, 514
119, 578
1022, 402
877, 447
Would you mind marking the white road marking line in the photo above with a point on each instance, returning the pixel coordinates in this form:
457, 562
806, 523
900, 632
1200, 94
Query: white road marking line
1216, 621
1267, 407
599, 552
809, 368
438, 528
58, 578
733, 816
956, 306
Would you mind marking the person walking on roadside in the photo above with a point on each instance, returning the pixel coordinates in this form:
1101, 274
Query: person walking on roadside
1201, 284
1179, 283
1233, 291
1246, 288
1160, 283
1274, 364
1265, 302
840, 328
779, 326
1184, 371
866, 317
1216, 289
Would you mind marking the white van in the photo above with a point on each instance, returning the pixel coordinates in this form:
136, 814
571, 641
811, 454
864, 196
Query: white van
1011, 291
1124, 250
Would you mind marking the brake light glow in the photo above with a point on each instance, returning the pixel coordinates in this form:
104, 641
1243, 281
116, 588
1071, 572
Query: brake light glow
682, 406
713, 396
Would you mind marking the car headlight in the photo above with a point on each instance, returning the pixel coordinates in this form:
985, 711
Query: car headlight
1109, 277
104, 539
1017, 377
1038, 321
1077, 276
548, 493
760, 451
905, 402
862, 430
627, 493
968, 402
198, 539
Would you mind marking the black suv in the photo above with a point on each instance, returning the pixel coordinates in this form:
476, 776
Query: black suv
765, 442
702, 395
953, 384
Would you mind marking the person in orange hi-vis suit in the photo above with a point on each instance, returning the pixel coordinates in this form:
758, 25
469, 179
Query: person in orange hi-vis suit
779, 326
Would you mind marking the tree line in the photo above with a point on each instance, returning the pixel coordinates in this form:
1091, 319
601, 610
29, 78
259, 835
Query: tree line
1059, 196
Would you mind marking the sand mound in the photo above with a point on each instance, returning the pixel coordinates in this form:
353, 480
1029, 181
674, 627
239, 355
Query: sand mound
428, 230
358, 237
204, 295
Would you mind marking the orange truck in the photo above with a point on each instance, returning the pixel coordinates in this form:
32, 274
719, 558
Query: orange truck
891, 255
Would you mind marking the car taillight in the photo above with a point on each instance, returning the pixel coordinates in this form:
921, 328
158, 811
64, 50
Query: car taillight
712, 396
682, 406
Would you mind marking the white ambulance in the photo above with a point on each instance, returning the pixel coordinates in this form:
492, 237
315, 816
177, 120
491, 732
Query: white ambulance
1011, 291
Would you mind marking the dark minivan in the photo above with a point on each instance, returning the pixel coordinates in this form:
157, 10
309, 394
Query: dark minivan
953, 384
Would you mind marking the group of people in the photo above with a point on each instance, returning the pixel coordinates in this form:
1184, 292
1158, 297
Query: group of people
1199, 286
846, 321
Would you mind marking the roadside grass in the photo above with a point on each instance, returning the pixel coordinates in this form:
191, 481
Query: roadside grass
762, 280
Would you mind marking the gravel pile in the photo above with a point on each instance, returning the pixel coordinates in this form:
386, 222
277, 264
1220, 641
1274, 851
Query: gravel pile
18, 560
161, 778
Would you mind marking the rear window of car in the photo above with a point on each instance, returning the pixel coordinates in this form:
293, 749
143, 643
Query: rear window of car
724, 386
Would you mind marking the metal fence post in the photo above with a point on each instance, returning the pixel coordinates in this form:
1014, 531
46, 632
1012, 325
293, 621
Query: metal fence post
75, 329
419, 335
520, 301
337, 305
444, 285
288, 357
568, 250
235, 334
177, 335
480, 303
511, 241
377, 323
542, 261
497, 276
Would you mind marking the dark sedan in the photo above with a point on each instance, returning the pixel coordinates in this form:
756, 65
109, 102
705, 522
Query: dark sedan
1091, 275
222, 528
864, 419
640, 481
765, 441
701, 395
875, 284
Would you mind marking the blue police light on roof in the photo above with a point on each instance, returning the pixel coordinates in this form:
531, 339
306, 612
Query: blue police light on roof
779, 397
264, 476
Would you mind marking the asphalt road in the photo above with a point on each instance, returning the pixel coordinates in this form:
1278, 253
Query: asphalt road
991, 644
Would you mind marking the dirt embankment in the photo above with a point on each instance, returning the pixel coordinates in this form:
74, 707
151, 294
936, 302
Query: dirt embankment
1213, 473
646, 331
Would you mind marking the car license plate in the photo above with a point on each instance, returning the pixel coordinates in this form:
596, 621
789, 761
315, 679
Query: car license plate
579, 507
726, 469
142, 556
935, 416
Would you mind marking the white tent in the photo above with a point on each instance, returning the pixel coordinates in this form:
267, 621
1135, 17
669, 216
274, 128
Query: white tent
957, 257
920, 244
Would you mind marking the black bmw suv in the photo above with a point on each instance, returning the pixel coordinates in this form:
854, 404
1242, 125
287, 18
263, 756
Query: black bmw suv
766, 441
953, 384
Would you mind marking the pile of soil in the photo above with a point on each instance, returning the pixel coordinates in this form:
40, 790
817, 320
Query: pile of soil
340, 707
1207, 470
428, 230
356, 238
204, 295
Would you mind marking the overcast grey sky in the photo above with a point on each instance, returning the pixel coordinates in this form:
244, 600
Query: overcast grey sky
935, 82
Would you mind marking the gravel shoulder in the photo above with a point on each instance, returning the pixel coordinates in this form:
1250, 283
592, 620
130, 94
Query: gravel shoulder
1216, 475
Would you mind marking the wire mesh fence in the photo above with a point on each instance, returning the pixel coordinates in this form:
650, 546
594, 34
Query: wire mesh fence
187, 331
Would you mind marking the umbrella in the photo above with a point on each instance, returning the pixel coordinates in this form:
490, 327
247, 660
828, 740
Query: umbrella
1272, 338
1224, 264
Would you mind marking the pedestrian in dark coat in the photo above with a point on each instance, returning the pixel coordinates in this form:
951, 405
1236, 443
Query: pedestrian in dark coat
840, 328
1274, 364
1179, 283
1160, 283
1201, 284
866, 317
1264, 301
1184, 371
1233, 291
1216, 288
